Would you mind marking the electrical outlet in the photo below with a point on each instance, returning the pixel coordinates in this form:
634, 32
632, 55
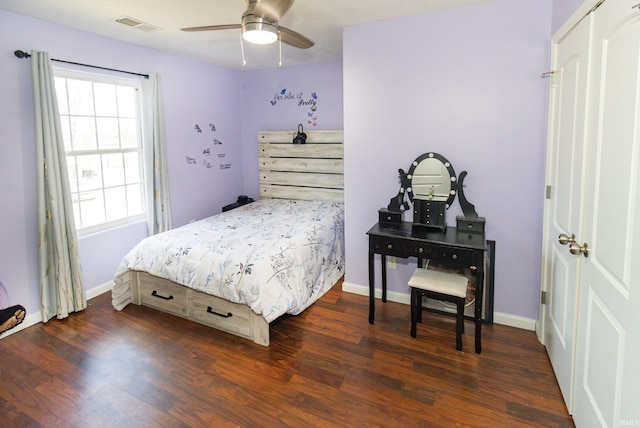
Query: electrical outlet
391, 262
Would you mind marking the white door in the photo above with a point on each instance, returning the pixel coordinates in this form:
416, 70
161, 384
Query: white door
563, 214
607, 371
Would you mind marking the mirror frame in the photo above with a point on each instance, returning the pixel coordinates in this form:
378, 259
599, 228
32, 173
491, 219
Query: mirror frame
452, 175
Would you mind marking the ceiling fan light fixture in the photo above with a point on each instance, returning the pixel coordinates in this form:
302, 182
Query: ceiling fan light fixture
260, 33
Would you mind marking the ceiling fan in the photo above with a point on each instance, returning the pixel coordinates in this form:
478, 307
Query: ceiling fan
260, 24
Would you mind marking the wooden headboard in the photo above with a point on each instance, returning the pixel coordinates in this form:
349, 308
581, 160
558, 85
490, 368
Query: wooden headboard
312, 171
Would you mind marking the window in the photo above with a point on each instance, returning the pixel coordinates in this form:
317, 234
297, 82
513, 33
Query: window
101, 132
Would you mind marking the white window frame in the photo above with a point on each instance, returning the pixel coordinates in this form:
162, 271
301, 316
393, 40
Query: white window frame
135, 83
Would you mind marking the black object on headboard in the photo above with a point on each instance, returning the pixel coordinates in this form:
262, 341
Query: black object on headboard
301, 137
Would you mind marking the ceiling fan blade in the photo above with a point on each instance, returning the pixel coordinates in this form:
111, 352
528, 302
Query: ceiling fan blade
213, 27
272, 10
294, 38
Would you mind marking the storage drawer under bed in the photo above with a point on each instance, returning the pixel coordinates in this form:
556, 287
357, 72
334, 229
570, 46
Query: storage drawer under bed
218, 313
163, 295
200, 307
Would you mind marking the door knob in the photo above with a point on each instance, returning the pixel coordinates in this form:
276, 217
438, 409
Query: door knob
576, 249
565, 239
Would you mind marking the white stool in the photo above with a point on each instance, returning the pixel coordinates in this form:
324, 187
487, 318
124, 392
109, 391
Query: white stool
440, 286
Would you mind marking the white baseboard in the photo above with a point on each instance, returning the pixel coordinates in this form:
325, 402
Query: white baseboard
394, 296
36, 318
514, 321
100, 289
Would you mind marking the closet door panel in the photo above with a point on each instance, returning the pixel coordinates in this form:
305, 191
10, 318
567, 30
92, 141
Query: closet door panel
607, 384
563, 208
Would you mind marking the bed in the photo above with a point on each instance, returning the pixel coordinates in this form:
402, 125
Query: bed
240, 270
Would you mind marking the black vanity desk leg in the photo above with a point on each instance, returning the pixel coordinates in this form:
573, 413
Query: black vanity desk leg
383, 261
372, 297
478, 306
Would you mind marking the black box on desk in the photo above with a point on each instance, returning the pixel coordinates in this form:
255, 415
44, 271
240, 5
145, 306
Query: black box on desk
464, 224
386, 216
430, 213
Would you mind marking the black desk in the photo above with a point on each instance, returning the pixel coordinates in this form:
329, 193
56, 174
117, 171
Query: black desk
450, 247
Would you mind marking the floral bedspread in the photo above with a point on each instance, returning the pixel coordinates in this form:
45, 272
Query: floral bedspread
276, 256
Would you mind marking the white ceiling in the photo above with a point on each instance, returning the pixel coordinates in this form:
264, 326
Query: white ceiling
320, 20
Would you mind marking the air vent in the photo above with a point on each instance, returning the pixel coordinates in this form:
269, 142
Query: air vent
132, 22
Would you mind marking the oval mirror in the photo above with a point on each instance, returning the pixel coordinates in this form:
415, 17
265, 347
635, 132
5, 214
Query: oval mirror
432, 178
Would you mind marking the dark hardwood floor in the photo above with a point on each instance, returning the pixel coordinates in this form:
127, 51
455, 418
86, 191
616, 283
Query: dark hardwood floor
326, 367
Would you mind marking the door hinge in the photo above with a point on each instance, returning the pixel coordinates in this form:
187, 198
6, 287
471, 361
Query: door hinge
543, 298
548, 192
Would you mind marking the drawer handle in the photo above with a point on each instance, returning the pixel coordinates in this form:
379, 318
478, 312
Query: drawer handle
389, 246
454, 257
420, 250
154, 293
211, 311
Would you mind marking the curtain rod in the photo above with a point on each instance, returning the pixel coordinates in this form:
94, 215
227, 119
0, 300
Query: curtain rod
22, 54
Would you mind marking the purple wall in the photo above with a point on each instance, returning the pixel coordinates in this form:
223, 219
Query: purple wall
194, 93
562, 10
465, 83
265, 108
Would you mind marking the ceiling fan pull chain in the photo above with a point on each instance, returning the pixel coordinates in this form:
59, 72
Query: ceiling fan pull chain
280, 47
244, 63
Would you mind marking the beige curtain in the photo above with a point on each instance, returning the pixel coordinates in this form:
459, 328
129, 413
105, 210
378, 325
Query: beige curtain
156, 179
61, 287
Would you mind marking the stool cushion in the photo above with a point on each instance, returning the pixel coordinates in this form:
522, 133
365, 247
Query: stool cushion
440, 282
